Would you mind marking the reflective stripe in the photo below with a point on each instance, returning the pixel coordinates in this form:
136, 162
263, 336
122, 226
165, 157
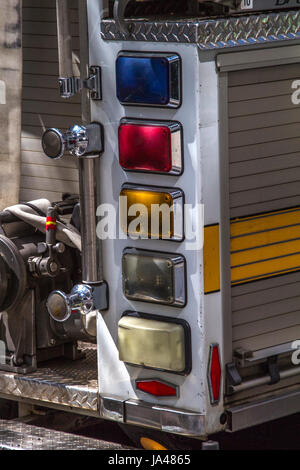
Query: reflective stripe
264, 246
50, 223
211, 259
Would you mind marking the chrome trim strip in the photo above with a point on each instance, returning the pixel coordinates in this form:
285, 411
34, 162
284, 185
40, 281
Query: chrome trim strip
251, 414
112, 408
235, 31
163, 418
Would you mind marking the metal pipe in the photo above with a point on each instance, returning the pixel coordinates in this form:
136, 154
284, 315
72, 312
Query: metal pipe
88, 173
265, 380
64, 39
91, 249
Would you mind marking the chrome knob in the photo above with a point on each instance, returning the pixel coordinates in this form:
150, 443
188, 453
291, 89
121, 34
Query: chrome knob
60, 305
78, 141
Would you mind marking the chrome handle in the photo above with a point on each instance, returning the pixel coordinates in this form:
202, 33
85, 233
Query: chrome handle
78, 141
60, 305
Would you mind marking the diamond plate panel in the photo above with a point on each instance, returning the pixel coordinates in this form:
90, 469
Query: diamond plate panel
61, 381
160, 31
211, 34
20, 436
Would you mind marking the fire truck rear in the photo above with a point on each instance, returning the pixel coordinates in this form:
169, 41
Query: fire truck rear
162, 291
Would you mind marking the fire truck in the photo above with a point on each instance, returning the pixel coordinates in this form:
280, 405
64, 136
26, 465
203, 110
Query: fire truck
186, 324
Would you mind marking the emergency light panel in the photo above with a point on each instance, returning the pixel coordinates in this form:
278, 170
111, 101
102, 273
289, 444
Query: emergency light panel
154, 146
152, 212
154, 277
148, 79
154, 342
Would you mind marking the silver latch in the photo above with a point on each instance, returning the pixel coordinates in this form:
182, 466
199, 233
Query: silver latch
70, 86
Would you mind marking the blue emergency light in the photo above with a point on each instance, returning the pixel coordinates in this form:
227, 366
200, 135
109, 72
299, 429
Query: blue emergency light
148, 79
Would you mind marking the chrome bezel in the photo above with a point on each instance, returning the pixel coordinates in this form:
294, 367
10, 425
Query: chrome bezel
176, 148
62, 139
178, 275
175, 88
177, 196
68, 306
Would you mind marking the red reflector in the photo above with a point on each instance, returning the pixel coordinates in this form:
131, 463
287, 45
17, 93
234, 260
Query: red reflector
214, 373
150, 147
156, 388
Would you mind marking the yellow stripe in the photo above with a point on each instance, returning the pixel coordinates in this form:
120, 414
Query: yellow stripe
265, 246
211, 258
265, 238
50, 223
265, 269
265, 222
265, 253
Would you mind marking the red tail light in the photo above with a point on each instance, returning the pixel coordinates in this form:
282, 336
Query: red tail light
156, 388
214, 373
150, 146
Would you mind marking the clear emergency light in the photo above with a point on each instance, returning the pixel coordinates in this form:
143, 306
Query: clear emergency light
148, 79
155, 342
154, 146
154, 277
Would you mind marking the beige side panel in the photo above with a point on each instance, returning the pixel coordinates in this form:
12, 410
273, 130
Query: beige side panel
264, 141
42, 106
10, 100
264, 170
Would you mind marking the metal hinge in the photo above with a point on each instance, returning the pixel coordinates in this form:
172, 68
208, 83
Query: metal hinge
70, 86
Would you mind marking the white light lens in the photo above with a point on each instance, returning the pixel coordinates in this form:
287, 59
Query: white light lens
152, 343
154, 277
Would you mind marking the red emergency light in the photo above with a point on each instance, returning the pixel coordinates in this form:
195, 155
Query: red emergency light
214, 374
156, 388
150, 146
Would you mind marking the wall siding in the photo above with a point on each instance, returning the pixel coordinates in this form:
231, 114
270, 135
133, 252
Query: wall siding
42, 106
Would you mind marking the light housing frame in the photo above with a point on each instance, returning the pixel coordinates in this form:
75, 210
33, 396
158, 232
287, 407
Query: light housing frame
178, 199
179, 276
176, 144
174, 77
187, 343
